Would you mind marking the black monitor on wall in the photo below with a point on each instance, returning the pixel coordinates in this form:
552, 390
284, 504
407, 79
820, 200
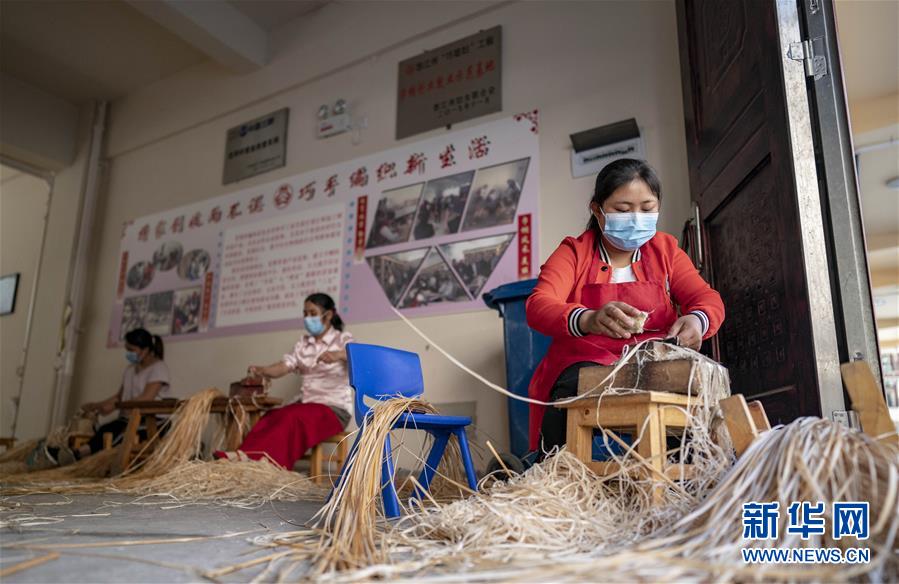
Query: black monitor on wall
9, 285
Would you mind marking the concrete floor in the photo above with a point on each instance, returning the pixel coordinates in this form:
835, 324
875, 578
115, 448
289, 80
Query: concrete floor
137, 522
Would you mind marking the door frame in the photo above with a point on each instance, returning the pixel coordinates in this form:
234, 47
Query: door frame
837, 170
814, 258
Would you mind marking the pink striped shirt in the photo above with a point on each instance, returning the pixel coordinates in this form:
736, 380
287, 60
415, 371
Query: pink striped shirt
323, 383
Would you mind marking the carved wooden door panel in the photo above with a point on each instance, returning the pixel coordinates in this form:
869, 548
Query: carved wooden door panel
742, 178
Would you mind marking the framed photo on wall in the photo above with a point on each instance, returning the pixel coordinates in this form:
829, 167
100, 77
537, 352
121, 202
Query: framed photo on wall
9, 285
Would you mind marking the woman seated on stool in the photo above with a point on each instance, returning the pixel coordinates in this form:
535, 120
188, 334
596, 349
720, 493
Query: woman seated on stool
594, 289
146, 378
324, 404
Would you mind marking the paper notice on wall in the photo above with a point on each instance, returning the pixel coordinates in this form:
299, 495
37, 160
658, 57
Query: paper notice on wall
268, 268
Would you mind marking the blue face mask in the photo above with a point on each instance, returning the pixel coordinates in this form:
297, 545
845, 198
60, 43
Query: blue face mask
628, 231
314, 325
132, 357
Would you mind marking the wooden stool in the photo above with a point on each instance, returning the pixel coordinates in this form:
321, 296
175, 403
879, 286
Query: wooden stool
745, 421
659, 411
316, 456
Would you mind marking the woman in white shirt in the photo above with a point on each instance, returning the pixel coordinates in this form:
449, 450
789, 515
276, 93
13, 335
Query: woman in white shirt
324, 404
146, 378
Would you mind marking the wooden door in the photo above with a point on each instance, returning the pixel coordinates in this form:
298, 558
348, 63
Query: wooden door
762, 238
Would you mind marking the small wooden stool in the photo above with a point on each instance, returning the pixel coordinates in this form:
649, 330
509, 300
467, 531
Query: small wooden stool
659, 411
316, 456
745, 421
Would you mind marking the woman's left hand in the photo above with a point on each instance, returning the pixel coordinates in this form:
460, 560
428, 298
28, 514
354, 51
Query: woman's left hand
331, 357
688, 330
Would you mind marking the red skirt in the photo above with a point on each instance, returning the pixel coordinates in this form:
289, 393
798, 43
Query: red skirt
285, 434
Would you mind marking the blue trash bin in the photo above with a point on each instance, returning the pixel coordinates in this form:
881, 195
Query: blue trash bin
524, 350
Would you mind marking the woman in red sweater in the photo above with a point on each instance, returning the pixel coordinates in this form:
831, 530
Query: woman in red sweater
593, 290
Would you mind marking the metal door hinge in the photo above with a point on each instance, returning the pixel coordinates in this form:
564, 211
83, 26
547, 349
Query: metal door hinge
815, 64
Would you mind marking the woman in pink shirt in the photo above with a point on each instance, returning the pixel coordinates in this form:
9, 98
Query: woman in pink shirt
324, 404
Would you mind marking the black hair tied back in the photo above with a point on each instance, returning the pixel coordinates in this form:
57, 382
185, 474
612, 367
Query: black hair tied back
142, 339
619, 173
326, 303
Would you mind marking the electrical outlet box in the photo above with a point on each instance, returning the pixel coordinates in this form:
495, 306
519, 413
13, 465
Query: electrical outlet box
334, 125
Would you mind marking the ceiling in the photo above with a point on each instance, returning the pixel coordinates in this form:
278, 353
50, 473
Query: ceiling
269, 14
119, 50
869, 46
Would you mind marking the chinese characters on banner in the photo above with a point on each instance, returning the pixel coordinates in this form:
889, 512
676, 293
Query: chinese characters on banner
424, 228
450, 84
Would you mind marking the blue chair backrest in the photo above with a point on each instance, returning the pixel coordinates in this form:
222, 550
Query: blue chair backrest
381, 373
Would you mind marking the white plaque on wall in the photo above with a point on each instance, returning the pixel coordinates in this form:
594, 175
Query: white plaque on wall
257, 146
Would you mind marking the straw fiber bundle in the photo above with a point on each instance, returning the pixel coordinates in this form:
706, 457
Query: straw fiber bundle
560, 522
349, 518
171, 472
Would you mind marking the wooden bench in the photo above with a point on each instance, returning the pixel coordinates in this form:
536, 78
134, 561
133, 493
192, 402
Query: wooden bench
140, 413
239, 413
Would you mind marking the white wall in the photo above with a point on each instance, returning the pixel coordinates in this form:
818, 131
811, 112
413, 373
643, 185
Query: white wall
582, 64
23, 202
41, 369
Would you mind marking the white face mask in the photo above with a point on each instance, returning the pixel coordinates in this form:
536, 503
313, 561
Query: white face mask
629, 231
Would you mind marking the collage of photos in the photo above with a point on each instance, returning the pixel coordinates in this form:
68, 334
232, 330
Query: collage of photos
466, 201
475, 259
393, 218
170, 255
495, 194
435, 282
395, 271
451, 272
175, 312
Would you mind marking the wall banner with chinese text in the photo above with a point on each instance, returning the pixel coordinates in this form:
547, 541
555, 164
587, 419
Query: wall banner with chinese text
437, 220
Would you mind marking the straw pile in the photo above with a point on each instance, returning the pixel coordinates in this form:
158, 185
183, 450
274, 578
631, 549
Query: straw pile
350, 519
170, 472
560, 522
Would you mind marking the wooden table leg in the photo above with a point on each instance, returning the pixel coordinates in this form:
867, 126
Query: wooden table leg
315, 464
152, 429
579, 436
235, 419
129, 441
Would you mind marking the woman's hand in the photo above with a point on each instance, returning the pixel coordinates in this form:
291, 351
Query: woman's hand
688, 330
615, 320
256, 371
332, 357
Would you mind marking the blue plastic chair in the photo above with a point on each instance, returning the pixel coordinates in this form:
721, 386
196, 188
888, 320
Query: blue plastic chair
382, 373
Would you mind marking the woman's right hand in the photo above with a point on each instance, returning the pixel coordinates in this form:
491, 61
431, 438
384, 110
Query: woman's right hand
256, 371
614, 320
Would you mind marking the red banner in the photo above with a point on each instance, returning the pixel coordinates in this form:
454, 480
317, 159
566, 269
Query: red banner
123, 270
524, 246
207, 301
361, 213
